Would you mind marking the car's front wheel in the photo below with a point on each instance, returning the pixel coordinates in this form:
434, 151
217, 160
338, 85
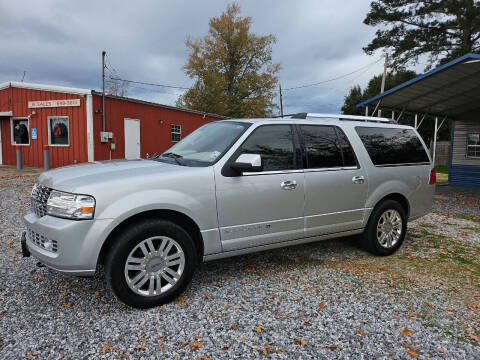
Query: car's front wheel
150, 263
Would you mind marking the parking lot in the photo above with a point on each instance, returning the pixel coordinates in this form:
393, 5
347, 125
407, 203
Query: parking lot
324, 300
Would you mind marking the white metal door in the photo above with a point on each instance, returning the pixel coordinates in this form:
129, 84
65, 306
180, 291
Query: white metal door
132, 139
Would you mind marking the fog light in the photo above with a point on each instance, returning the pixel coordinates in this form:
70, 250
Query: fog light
48, 245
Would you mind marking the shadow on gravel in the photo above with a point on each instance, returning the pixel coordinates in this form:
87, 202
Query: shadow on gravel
67, 291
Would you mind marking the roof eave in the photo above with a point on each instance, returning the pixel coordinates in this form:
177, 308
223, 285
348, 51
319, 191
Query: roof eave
43, 87
418, 78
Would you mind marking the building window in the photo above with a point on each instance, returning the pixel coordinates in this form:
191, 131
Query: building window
176, 132
473, 145
58, 131
20, 131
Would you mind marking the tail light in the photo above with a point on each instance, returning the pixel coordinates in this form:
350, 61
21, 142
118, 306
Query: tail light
433, 177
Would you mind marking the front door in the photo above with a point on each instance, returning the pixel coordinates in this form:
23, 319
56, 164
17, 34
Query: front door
132, 139
335, 184
265, 207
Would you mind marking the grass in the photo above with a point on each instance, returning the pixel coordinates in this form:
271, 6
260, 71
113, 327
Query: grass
470, 217
442, 178
442, 169
442, 174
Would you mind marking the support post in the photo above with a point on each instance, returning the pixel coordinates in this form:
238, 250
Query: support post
19, 157
416, 120
366, 110
384, 76
46, 157
435, 139
103, 90
376, 107
281, 101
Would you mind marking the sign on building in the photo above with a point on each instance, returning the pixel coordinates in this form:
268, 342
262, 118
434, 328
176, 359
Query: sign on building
53, 103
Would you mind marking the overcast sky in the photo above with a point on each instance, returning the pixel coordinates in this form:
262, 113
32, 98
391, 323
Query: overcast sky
60, 43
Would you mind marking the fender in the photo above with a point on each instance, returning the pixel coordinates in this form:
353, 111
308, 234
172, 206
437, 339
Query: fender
383, 190
202, 210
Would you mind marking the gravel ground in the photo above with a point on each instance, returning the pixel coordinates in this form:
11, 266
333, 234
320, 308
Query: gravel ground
454, 199
324, 300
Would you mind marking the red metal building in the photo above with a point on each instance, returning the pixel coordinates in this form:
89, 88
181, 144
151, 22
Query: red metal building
69, 121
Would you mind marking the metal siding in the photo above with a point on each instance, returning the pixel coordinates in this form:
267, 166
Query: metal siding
16, 99
464, 126
154, 137
421, 77
452, 139
464, 175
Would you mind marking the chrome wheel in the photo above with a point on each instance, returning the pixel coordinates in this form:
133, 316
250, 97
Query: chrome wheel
389, 228
154, 266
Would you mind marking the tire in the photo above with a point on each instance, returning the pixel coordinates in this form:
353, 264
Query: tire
150, 246
372, 239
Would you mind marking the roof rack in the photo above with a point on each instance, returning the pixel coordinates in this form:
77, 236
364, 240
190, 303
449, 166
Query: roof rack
342, 117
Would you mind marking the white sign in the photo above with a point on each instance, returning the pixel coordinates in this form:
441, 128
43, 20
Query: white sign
53, 103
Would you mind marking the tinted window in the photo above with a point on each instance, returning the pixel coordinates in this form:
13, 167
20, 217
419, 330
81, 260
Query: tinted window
392, 146
275, 144
322, 146
346, 148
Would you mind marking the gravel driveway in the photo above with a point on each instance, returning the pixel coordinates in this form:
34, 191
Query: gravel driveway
324, 300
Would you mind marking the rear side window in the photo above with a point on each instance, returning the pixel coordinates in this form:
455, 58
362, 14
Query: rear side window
275, 144
390, 146
326, 147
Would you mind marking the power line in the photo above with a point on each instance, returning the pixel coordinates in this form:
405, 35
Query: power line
113, 76
149, 84
146, 89
332, 79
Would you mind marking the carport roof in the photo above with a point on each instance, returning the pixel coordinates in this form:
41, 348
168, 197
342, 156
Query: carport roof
448, 90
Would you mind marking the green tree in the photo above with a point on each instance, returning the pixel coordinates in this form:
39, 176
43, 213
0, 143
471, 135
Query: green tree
356, 95
233, 69
441, 29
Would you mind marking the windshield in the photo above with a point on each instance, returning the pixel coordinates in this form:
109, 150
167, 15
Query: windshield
205, 145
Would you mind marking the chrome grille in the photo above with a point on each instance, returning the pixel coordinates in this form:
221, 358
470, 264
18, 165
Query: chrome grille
42, 241
38, 199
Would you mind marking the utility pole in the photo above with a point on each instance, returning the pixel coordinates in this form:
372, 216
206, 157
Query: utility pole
103, 90
24, 74
382, 89
281, 101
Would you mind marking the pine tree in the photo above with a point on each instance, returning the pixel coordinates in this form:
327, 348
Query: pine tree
440, 29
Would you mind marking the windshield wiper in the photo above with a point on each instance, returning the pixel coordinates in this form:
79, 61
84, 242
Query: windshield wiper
174, 156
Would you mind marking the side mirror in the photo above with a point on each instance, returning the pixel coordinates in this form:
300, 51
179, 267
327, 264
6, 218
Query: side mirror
248, 163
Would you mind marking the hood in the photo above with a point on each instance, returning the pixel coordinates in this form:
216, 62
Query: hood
71, 178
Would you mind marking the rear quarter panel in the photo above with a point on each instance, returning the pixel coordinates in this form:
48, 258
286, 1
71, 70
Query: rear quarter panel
411, 181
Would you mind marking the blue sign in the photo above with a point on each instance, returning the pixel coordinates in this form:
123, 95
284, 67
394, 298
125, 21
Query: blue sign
34, 133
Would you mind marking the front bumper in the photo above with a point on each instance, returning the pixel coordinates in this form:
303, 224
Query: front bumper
77, 243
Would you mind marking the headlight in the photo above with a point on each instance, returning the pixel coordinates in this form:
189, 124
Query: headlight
70, 206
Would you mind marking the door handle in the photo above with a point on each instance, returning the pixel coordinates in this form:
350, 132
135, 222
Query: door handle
288, 185
358, 179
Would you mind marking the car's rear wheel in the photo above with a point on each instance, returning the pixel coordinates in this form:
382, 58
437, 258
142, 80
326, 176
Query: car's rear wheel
386, 228
150, 263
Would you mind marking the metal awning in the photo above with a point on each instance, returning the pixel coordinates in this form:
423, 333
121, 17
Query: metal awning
449, 90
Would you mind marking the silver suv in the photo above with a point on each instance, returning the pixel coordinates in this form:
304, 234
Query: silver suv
231, 187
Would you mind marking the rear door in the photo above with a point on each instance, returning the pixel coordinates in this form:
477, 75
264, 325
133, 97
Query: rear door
335, 185
263, 207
